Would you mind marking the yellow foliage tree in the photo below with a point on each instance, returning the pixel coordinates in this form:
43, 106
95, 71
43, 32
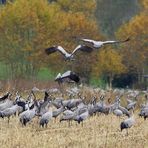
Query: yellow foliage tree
136, 51
81, 22
145, 3
109, 63
84, 6
28, 27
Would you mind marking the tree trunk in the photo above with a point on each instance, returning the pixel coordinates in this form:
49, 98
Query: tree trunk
110, 81
143, 72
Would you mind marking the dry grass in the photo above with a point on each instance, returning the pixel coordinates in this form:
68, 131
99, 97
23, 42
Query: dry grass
23, 84
97, 132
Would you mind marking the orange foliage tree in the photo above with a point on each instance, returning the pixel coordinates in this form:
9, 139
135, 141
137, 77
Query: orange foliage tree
136, 51
28, 27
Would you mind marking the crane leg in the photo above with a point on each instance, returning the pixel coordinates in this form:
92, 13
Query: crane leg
69, 123
127, 132
82, 124
46, 125
8, 119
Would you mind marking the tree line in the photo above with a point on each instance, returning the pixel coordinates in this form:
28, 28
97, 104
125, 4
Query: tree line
28, 27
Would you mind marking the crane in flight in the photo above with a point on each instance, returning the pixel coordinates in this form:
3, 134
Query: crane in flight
99, 44
67, 75
67, 56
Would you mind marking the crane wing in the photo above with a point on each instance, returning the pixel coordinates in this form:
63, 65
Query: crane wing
53, 49
50, 50
58, 76
4, 97
70, 75
83, 48
74, 77
88, 40
62, 50
112, 42
66, 74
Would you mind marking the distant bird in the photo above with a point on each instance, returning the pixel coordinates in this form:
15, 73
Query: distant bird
129, 101
68, 115
68, 74
7, 104
43, 107
80, 118
57, 102
9, 112
57, 112
121, 108
118, 112
72, 103
145, 115
27, 115
91, 109
124, 110
45, 118
68, 56
131, 105
128, 123
2, 98
102, 107
99, 44
144, 109
144, 112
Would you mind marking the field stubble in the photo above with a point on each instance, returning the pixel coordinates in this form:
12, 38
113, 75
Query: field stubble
98, 131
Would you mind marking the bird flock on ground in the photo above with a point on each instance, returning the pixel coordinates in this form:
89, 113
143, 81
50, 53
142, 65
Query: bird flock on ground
74, 108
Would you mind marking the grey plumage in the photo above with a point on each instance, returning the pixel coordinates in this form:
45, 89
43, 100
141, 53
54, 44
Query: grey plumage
102, 107
9, 111
45, 118
8, 103
57, 112
71, 103
131, 105
118, 112
68, 115
121, 108
124, 110
57, 102
128, 123
80, 118
91, 109
43, 106
27, 116
144, 112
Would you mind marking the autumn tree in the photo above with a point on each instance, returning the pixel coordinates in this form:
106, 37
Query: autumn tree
81, 23
109, 64
23, 30
136, 51
28, 27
